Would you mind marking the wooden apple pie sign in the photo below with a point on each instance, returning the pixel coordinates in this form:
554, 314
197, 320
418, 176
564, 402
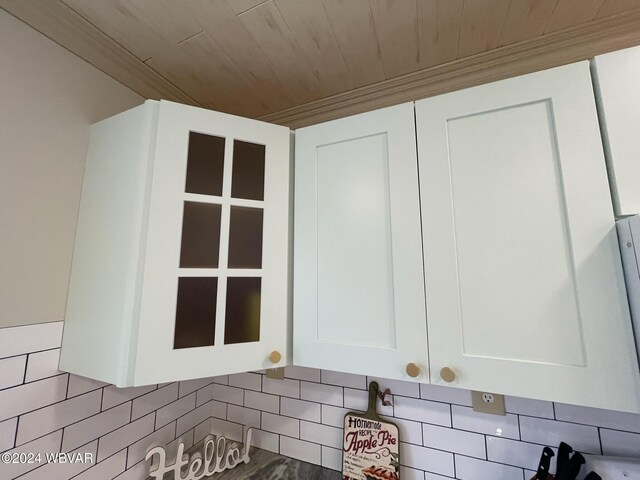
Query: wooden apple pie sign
370, 448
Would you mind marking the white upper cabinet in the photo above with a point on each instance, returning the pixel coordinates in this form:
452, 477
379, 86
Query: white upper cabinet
617, 85
525, 292
358, 281
181, 255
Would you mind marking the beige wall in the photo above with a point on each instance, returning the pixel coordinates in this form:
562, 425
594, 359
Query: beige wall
48, 99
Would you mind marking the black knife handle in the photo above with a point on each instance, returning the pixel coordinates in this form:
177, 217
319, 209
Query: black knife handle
576, 461
562, 468
545, 461
593, 476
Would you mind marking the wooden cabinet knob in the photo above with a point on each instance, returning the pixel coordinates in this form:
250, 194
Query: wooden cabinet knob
413, 370
275, 357
447, 375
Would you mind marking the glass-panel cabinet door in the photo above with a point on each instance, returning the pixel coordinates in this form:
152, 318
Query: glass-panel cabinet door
214, 294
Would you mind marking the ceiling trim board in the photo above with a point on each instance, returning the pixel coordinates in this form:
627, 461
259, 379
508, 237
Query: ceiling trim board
67, 28
571, 45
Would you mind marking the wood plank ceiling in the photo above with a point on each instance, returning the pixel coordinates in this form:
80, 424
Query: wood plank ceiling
257, 58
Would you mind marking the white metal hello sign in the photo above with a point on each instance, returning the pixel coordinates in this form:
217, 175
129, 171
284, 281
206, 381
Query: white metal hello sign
217, 458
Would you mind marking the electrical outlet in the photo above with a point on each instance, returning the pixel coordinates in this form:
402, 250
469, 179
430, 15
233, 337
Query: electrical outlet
487, 398
486, 402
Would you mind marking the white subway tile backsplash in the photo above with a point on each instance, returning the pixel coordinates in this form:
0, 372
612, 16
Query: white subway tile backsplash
266, 440
245, 416
629, 422
301, 416
358, 400
31, 338
548, 432
513, 452
465, 418
262, 401
109, 468
204, 395
48, 419
230, 430
79, 385
218, 409
138, 450
42, 365
305, 451
340, 379
423, 458
43, 445
8, 433
282, 425
317, 392
93, 427
221, 379
170, 412
134, 472
621, 444
301, 409
25, 398
193, 418
223, 393
456, 441
410, 432
189, 420
202, 430
423, 411
125, 436
397, 387
154, 400
248, 381
323, 434
333, 416
12, 371
65, 471
302, 373
188, 386
186, 439
527, 406
438, 393
115, 396
407, 473
285, 388
474, 469
332, 458
435, 476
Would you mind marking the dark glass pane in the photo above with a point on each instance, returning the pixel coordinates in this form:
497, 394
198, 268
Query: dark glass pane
247, 180
205, 164
245, 238
243, 310
200, 235
196, 312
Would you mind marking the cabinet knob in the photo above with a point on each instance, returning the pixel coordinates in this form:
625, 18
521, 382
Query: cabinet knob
275, 357
412, 370
447, 375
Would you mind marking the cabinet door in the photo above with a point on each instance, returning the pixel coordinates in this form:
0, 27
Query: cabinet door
358, 283
525, 294
214, 285
617, 86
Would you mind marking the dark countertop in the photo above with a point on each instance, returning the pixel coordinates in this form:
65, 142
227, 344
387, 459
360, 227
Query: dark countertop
266, 465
